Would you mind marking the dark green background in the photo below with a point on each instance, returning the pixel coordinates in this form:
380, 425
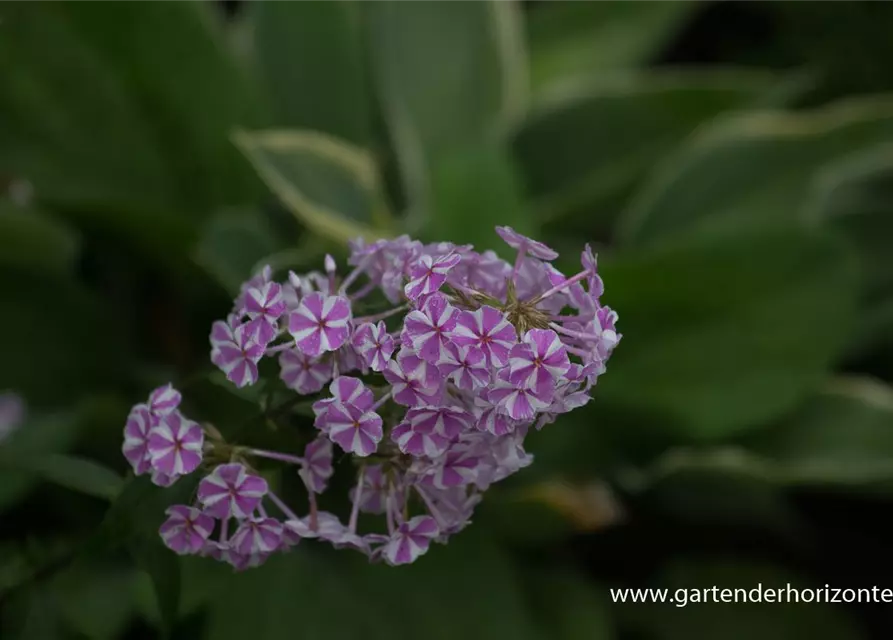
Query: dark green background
731, 162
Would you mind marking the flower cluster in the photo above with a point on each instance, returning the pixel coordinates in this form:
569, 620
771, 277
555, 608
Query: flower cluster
432, 397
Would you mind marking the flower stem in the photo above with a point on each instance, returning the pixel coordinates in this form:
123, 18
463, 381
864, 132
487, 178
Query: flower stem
279, 347
275, 455
282, 506
381, 316
382, 400
357, 498
560, 287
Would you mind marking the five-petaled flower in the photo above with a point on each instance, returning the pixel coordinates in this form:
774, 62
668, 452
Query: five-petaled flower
231, 492
321, 323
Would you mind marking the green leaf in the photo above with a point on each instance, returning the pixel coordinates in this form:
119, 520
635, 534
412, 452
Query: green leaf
448, 74
95, 599
232, 243
384, 602
568, 606
32, 240
843, 435
46, 369
328, 184
752, 170
475, 190
310, 55
77, 474
163, 568
735, 620
119, 131
855, 196
586, 143
723, 333
37, 436
587, 38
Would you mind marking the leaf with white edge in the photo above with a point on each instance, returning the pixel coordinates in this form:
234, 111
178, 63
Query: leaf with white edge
585, 143
587, 38
855, 196
447, 74
752, 170
725, 333
78, 474
328, 184
315, 46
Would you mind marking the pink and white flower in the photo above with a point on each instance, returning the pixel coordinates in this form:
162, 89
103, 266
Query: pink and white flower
237, 354
257, 536
231, 492
415, 382
263, 305
489, 330
136, 439
320, 323
302, 373
175, 445
411, 540
466, 367
374, 345
352, 429
430, 329
186, 529
539, 361
164, 400
429, 274
317, 467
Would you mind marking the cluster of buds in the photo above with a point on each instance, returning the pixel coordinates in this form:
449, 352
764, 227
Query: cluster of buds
432, 397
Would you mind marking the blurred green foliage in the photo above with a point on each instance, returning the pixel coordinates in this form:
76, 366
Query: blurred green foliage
736, 185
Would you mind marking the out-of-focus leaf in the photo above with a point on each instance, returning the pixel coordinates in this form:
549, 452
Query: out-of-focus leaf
385, 602
474, 191
101, 119
723, 333
733, 620
32, 613
163, 568
843, 435
310, 54
95, 599
231, 244
586, 143
37, 436
66, 341
32, 240
448, 74
328, 184
840, 436
752, 170
588, 38
568, 606
77, 474
856, 197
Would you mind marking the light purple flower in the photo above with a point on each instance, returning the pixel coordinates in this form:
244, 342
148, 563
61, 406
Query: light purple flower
257, 536
489, 330
465, 366
429, 274
415, 382
417, 440
374, 345
411, 540
175, 445
429, 330
231, 492
352, 429
238, 356
374, 490
302, 373
317, 467
458, 466
446, 421
186, 529
320, 323
345, 390
494, 421
136, 439
164, 400
539, 361
524, 244
519, 403
264, 304
593, 280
